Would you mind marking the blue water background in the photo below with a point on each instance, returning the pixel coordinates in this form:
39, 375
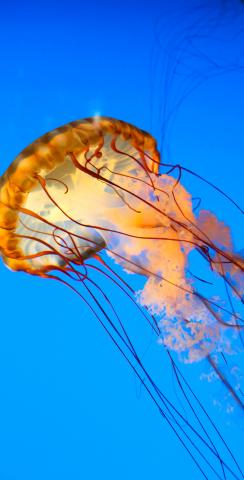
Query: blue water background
70, 408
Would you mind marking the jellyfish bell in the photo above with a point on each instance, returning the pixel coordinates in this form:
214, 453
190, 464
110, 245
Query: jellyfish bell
44, 186
95, 189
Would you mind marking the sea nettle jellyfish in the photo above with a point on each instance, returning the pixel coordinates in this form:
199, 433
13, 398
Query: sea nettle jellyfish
94, 195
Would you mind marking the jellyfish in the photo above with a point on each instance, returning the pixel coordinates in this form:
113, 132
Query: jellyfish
95, 196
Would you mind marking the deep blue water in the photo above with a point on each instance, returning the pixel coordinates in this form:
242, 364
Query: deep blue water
70, 408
